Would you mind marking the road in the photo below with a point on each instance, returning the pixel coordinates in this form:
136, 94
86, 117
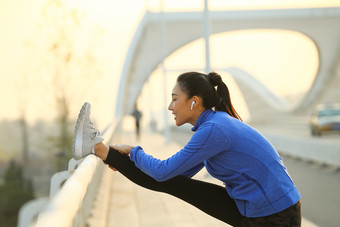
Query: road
320, 189
318, 184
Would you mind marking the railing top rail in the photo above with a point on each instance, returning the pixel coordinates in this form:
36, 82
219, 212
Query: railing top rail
63, 207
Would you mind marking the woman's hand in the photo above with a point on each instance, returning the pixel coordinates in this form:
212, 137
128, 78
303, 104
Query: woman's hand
123, 148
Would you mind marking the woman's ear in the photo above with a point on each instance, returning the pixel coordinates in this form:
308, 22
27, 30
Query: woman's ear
195, 101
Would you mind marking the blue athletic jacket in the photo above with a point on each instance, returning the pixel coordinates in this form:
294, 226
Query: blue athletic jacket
236, 154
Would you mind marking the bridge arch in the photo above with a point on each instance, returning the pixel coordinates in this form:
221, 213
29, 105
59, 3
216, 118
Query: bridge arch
320, 24
278, 68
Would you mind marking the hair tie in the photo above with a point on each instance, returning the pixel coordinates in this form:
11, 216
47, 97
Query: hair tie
214, 78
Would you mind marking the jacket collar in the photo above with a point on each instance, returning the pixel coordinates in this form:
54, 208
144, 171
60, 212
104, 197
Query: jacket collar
202, 118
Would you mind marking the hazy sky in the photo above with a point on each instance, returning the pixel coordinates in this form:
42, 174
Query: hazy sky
114, 21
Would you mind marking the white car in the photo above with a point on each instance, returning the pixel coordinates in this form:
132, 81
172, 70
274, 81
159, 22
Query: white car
325, 118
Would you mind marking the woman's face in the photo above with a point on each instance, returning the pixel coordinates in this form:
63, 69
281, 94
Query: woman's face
180, 107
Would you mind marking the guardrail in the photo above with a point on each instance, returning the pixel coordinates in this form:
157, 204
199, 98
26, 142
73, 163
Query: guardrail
310, 149
72, 203
72, 193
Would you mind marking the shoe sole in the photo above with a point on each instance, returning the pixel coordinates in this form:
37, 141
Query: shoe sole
77, 145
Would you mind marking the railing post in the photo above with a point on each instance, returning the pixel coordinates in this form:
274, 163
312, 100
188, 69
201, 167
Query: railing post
30, 210
57, 181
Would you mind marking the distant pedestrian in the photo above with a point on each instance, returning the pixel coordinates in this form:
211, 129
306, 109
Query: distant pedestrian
257, 191
137, 115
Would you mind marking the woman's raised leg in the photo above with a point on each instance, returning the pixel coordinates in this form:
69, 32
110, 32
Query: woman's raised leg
210, 198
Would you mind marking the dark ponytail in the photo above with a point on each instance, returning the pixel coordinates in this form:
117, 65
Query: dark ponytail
223, 102
201, 85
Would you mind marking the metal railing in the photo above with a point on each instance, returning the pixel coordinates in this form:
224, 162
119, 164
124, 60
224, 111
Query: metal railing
72, 193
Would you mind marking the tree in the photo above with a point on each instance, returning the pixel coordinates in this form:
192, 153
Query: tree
23, 84
14, 192
68, 43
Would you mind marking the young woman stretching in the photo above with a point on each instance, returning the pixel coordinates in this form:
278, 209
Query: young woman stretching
258, 189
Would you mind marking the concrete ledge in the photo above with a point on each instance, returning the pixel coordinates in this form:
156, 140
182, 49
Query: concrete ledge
312, 149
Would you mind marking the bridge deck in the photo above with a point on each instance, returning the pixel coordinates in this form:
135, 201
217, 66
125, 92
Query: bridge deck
133, 206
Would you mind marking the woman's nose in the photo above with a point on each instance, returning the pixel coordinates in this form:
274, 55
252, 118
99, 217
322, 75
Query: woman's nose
170, 107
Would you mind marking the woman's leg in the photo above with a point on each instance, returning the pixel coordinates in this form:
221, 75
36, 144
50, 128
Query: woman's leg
210, 198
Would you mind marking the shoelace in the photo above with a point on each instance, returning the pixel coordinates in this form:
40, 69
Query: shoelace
95, 133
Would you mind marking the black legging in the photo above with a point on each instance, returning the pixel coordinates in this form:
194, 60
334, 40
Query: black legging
210, 198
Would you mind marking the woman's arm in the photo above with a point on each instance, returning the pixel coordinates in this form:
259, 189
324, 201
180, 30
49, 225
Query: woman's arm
192, 172
204, 144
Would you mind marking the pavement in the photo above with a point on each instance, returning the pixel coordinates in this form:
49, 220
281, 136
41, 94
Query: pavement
122, 203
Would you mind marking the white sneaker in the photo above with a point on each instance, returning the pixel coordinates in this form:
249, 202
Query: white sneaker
86, 136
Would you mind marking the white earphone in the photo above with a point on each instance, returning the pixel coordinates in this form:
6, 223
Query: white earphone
192, 105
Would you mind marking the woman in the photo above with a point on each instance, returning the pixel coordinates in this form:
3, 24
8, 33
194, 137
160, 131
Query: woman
258, 190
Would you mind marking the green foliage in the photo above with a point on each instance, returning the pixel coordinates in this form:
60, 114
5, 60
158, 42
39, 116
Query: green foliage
4, 156
14, 192
69, 60
61, 144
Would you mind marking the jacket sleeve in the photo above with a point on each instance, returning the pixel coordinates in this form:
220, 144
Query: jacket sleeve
192, 172
202, 146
